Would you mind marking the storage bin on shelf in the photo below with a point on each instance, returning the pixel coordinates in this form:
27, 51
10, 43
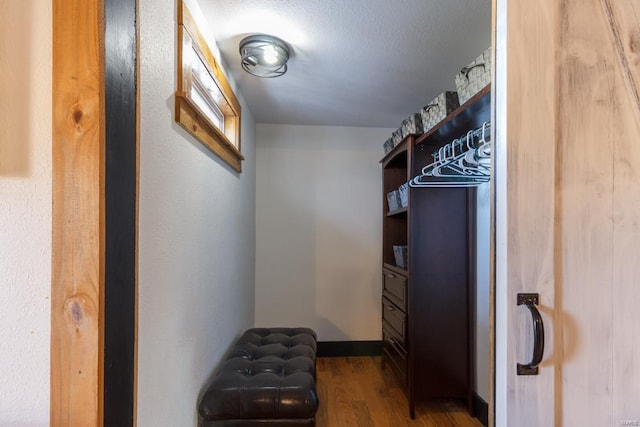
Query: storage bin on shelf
404, 195
475, 76
388, 146
393, 200
397, 136
400, 254
412, 125
436, 110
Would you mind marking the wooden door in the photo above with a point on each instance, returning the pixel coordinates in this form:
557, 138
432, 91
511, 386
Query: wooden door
568, 209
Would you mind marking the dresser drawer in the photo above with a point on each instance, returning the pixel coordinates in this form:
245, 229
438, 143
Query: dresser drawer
395, 319
395, 356
395, 288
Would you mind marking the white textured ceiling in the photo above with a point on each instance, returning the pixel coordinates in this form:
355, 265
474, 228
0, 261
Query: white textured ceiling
354, 62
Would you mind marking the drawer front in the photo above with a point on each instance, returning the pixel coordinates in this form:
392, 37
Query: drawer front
395, 356
394, 318
395, 288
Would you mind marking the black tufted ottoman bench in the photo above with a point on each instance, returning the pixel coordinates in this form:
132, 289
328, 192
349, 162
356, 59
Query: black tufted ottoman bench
268, 378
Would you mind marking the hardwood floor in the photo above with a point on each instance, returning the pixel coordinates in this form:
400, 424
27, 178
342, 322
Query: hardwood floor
356, 391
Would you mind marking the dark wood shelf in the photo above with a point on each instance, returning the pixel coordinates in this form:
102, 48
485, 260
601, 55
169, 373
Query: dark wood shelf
398, 211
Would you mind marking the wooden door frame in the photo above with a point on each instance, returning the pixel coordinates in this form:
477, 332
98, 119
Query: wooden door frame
77, 282
94, 112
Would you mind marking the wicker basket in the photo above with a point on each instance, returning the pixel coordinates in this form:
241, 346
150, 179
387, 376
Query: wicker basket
438, 109
412, 125
388, 146
393, 200
404, 195
400, 255
397, 136
474, 77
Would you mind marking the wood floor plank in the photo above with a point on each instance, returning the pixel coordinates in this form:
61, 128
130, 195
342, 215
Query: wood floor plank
361, 412
373, 389
356, 391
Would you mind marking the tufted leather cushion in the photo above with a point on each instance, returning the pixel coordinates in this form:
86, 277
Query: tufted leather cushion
269, 374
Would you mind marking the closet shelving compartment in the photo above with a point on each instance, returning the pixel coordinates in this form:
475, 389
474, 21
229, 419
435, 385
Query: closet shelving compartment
395, 170
426, 308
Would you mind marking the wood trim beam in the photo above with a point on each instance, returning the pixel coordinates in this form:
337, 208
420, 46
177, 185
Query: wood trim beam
120, 212
77, 288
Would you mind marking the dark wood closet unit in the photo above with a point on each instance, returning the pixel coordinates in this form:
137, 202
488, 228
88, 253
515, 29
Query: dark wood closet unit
427, 324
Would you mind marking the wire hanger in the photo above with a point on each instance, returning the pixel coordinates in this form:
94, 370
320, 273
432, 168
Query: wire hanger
464, 162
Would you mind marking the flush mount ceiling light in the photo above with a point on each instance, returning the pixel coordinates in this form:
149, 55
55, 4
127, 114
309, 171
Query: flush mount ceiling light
264, 56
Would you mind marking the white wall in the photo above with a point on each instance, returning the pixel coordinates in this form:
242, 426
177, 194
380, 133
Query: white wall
196, 239
25, 211
319, 229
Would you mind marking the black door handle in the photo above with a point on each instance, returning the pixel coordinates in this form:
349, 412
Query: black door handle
531, 368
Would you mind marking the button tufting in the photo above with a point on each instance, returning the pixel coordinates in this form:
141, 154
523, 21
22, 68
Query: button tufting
269, 374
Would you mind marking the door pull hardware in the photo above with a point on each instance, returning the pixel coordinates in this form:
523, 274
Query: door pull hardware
531, 368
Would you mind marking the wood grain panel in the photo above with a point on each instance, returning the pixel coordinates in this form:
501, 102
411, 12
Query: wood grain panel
591, 153
600, 211
530, 181
78, 214
624, 29
585, 196
623, 18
